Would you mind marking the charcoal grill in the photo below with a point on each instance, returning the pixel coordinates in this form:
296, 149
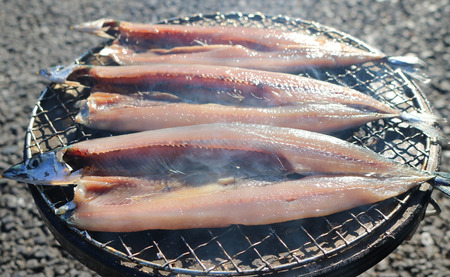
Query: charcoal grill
342, 244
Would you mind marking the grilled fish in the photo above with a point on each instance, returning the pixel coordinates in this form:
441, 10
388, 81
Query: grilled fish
287, 61
236, 46
127, 206
212, 84
202, 84
202, 153
125, 113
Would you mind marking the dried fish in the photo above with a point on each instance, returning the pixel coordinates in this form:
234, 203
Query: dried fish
126, 113
219, 45
229, 86
202, 153
130, 206
212, 84
287, 61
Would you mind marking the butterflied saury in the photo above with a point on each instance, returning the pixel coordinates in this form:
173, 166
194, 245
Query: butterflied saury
214, 84
128, 205
245, 47
201, 153
126, 113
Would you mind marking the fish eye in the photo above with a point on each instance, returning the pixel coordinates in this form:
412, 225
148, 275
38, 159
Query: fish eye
33, 163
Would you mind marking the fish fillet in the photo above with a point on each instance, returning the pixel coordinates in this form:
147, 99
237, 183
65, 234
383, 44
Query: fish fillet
131, 206
218, 146
123, 113
287, 60
202, 153
213, 84
235, 46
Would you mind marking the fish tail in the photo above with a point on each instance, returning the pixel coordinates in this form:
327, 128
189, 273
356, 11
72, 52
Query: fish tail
427, 123
407, 61
103, 27
421, 118
411, 66
442, 182
59, 74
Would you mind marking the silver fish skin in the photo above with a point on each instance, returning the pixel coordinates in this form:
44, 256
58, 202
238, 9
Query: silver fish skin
126, 113
195, 153
133, 206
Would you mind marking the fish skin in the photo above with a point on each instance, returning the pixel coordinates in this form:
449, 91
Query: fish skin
246, 202
124, 113
202, 153
316, 50
220, 85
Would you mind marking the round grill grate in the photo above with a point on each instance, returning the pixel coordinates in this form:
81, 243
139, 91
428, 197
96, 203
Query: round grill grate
331, 244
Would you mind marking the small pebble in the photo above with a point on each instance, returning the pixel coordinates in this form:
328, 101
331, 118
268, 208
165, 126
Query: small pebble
32, 263
426, 239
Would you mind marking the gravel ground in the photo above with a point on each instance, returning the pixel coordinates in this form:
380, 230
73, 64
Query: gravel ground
36, 35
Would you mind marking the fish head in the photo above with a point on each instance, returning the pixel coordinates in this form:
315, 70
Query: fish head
44, 169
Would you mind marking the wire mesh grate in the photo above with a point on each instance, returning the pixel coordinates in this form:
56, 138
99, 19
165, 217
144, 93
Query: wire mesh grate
245, 250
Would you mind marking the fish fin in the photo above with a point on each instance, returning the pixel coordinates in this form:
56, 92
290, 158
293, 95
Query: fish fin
422, 118
442, 182
66, 208
107, 52
82, 116
411, 66
407, 61
102, 27
112, 54
426, 123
